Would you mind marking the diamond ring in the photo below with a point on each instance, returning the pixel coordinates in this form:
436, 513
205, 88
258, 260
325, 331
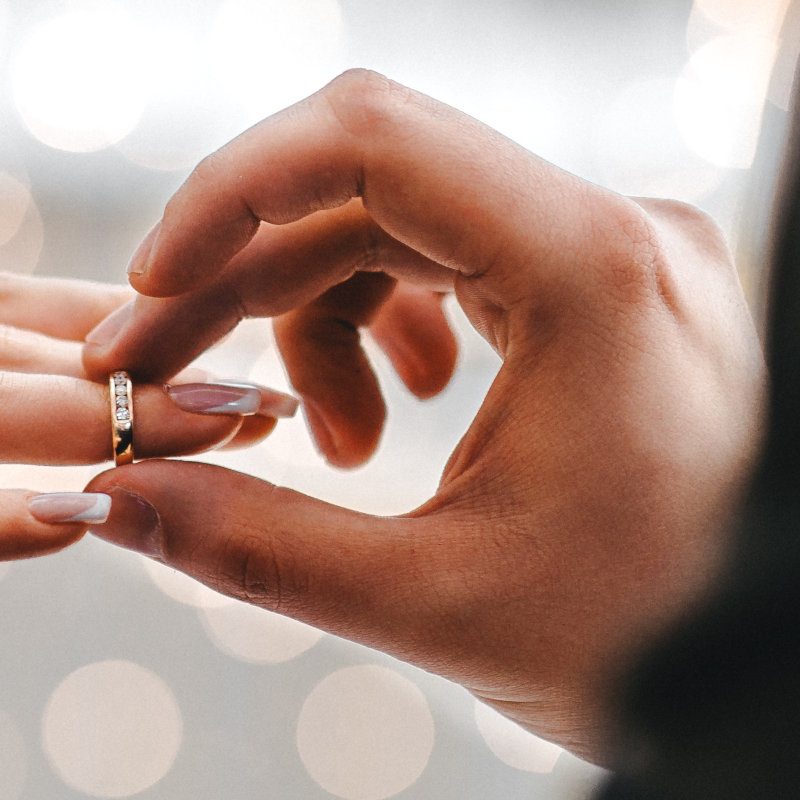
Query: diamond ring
121, 394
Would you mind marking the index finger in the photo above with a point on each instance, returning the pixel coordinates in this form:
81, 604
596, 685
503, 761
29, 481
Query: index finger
433, 178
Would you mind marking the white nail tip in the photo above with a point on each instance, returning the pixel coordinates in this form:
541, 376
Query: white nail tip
70, 507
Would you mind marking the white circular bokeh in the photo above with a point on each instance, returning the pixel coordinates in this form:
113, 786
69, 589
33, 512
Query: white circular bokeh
512, 744
719, 98
258, 636
187, 115
365, 733
79, 80
640, 151
179, 586
112, 729
271, 53
13, 760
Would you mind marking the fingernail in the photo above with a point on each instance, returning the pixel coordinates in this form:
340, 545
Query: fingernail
138, 263
133, 523
70, 507
105, 331
243, 399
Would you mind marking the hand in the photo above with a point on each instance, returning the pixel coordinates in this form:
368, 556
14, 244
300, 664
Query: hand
581, 512
52, 414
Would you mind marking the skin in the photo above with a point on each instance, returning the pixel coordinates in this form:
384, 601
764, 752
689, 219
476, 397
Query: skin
584, 509
44, 322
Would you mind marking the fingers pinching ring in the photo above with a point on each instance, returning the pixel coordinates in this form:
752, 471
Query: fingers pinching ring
121, 391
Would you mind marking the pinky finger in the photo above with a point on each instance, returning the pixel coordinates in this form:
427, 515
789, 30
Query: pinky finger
34, 524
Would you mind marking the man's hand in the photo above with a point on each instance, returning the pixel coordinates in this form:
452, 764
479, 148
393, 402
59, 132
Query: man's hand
583, 509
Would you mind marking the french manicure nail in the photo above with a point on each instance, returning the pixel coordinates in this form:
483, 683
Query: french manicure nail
243, 399
70, 507
139, 260
133, 523
106, 330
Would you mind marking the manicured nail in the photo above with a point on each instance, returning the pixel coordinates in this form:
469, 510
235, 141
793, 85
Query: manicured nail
70, 507
133, 523
105, 331
243, 399
139, 260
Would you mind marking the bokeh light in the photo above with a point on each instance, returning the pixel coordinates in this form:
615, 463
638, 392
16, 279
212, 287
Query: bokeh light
719, 98
365, 733
762, 17
639, 150
180, 587
78, 79
187, 115
112, 729
270, 53
13, 759
255, 635
512, 744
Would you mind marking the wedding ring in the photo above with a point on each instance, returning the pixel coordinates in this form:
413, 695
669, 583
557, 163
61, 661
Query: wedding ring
121, 393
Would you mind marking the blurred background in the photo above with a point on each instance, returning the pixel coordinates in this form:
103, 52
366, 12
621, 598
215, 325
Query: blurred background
122, 678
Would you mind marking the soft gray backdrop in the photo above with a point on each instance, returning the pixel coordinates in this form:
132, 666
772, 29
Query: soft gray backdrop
122, 678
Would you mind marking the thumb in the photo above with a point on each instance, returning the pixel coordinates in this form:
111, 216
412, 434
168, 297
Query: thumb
348, 573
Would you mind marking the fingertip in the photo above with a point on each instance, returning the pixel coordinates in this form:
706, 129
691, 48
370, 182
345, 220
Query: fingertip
344, 443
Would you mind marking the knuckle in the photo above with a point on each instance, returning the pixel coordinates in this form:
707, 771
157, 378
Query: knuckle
365, 102
630, 254
256, 570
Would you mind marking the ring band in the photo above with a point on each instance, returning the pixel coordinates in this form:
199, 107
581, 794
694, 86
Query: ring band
121, 395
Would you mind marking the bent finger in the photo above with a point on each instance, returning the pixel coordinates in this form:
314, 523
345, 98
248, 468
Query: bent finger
320, 344
413, 331
283, 268
431, 177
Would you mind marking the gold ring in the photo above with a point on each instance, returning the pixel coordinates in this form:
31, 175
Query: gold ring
121, 393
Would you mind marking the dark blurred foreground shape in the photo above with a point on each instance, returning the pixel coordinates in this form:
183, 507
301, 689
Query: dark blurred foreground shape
714, 711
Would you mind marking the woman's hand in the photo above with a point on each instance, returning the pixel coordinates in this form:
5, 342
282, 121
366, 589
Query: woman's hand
581, 512
52, 414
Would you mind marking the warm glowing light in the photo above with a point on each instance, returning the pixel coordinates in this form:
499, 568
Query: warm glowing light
639, 150
514, 745
719, 98
112, 729
384, 733
271, 53
755, 17
78, 81
253, 634
182, 588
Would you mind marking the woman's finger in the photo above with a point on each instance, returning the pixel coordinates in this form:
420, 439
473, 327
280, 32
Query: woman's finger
63, 309
53, 419
29, 351
283, 268
34, 525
